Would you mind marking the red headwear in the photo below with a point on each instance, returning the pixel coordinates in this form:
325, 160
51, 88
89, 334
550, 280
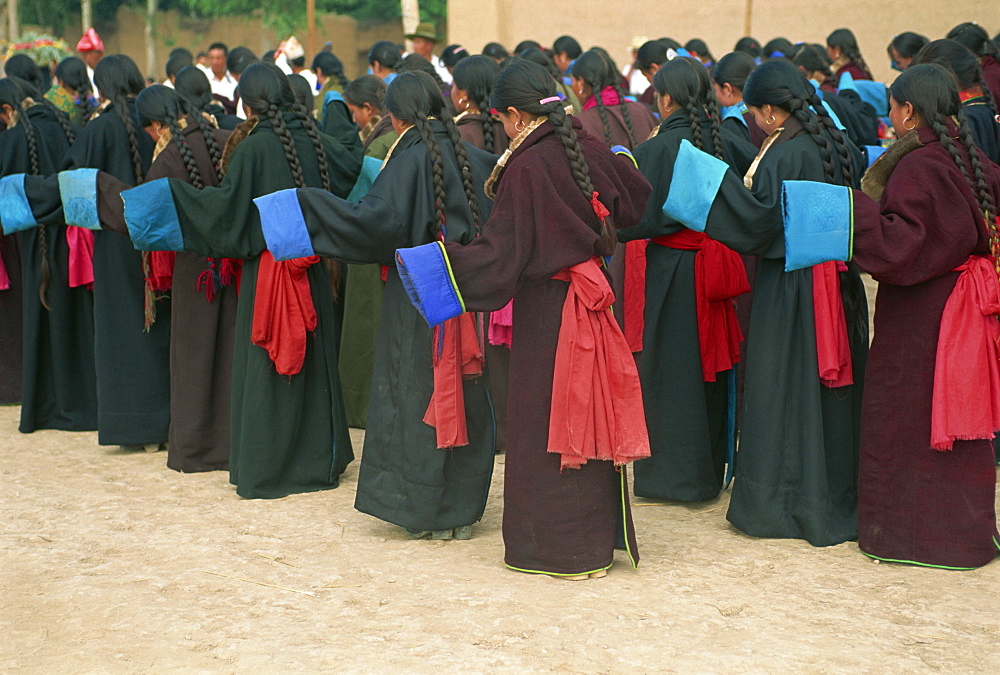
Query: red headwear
90, 42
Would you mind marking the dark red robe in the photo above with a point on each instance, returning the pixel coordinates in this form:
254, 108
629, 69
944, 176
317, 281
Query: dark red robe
916, 504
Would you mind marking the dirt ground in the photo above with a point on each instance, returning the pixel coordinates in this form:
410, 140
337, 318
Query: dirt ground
110, 562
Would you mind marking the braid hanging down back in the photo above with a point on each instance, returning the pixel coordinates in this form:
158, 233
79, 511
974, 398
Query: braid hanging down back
814, 126
120, 105
487, 122
715, 116
313, 133
977, 181
214, 151
623, 106
278, 122
185, 150
437, 172
844, 156
63, 120
465, 170
603, 112
43, 245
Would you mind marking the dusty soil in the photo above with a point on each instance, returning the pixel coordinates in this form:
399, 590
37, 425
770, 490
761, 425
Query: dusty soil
110, 562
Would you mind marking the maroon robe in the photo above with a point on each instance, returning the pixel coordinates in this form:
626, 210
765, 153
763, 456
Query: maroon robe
559, 522
916, 504
991, 75
856, 71
470, 128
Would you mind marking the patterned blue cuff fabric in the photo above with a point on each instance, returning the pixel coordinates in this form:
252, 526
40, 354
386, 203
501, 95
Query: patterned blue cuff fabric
152, 217
694, 184
78, 192
15, 210
622, 150
427, 278
369, 172
819, 223
284, 226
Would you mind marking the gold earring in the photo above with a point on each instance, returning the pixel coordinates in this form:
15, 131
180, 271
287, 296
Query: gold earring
519, 128
769, 120
908, 119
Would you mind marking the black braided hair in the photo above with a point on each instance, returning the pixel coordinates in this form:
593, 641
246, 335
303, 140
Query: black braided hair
474, 75
72, 72
14, 96
733, 69
687, 82
267, 93
780, 84
118, 79
848, 44
592, 69
162, 104
957, 58
415, 63
331, 67
309, 124
613, 79
522, 85
413, 98
933, 92
975, 37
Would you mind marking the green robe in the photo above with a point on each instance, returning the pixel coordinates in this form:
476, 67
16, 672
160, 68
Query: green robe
289, 434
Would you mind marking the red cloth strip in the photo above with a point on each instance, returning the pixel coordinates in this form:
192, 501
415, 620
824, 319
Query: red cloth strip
458, 356
966, 400
596, 411
833, 351
719, 276
283, 311
634, 306
80, 241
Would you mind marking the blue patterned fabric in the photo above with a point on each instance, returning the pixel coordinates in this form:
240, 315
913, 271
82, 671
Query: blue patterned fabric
622, 150
693, 186
284, 226
152, 217
426, 276
819, 223
15, 210
78, 192
369, 172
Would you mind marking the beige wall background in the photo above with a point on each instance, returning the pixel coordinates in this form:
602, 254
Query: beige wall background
720, 23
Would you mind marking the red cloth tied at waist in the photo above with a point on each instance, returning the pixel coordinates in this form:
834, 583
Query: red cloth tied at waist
158, 270
634, 305
596, 410
719, 276
283, 311
4, 277
501, 331
80, 242
966, 400
458, 356
833, 351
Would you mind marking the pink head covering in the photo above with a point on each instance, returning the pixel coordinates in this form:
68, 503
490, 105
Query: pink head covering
90, 42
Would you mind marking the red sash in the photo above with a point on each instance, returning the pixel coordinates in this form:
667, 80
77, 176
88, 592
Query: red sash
283, 311
80, 242
458, 356
833, 351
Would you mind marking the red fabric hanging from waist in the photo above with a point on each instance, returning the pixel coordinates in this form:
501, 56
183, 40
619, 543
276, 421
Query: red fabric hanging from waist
458, 356
833, 350
719, 276
283, 311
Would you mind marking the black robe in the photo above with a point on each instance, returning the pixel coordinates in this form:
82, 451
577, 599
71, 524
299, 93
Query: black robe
11, 340
554, 521
59, 385
133, 375
797, 465
289, 434
202, 333
687, 431
405, 478
984, 126
917, 504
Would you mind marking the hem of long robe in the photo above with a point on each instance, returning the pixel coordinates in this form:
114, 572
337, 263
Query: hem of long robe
58, 425
558, 574
760, 515
270, 493
920, 563
133, 428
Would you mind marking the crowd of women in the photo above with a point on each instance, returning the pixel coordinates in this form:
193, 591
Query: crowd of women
522, 254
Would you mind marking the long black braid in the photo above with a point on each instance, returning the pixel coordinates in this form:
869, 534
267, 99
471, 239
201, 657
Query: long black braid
119, 79
839, 143
623, 106
465, 170
475, 75
273, 113
687, 83
437, 171
310, 126
592, 69
613, 79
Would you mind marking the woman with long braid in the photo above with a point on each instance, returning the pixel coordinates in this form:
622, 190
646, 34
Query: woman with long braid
796, 469
691, 338
288, 432
59, 389
202, 290
926, 228
428, 455
606, 113
577, 417
842, 48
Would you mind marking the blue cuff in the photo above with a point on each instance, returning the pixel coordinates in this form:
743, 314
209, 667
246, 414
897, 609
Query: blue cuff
327, 99
152, 217
427, 278
819, 223
284, 226
875, 94
78, 192
622, 150
15, 210
369, 172
873, 152
695, 183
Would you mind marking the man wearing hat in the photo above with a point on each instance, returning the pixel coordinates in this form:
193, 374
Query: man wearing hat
296, 56
91, 49
424, 38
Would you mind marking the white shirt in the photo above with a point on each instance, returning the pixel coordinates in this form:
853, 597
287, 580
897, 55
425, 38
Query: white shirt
441, 69
311, 79
224, 86
637, 82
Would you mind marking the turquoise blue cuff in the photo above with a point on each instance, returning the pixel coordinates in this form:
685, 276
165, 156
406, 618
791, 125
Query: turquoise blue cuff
369, 172
873, 152
284, 226
735, 112
819, 223
152, 217
78, 192
622, 150
327, 99
427, 277
15, 210
695, 183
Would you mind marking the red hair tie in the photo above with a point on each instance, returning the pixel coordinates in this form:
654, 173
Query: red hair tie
599, 209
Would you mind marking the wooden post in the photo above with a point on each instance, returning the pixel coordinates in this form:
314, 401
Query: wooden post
150, 42
748, 18
311, 33
411, 17
86, 15
13, 25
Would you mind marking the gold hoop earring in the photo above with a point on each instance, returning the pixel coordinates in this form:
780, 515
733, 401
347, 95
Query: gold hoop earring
908, 119
769, 120
461, 101
519, 128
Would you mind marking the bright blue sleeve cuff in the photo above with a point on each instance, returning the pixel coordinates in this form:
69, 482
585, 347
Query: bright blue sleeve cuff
819, 223
428, 280
875, 94
369, 172
15, 210
327, 99
284, 226
622, 150
78, 192
152, 217
873, 152
693, 186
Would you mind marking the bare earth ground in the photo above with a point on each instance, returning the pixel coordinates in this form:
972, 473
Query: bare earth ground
111, 562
